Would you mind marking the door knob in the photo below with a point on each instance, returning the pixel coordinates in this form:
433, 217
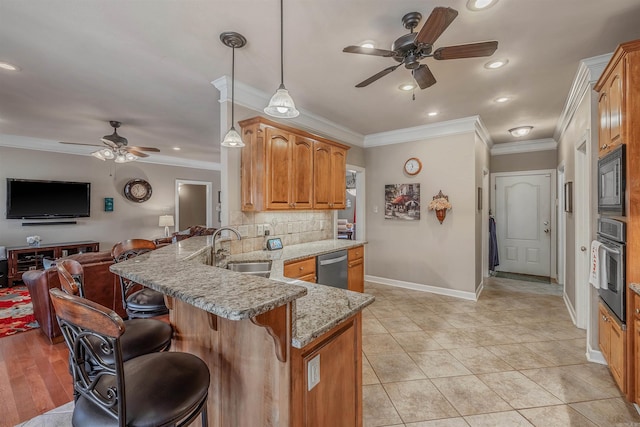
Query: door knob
583, 248
546, 223
546, 230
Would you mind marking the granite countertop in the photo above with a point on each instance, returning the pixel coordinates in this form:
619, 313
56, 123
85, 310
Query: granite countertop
181, 270
635, 287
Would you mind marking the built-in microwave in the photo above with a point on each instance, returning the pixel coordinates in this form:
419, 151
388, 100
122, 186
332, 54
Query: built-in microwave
612, 181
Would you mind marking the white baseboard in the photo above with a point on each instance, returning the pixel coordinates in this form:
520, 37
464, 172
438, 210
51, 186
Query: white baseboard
570, 309
479, 289
425, 288
595, 356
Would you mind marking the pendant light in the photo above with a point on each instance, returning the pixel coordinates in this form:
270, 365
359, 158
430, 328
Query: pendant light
233, 40
281, 104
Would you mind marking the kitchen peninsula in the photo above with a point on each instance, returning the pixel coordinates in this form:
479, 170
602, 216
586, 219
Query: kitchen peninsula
281, 352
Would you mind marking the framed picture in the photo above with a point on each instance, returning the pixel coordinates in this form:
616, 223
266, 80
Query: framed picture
568, 196
402, 201
479, 198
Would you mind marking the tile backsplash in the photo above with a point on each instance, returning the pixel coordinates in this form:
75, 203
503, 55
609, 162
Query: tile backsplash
291, 227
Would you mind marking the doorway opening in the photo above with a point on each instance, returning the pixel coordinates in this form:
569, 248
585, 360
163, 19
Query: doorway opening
193, 204
350, 222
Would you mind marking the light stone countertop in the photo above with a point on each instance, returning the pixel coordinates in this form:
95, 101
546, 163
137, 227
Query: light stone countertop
181, 270
635, 287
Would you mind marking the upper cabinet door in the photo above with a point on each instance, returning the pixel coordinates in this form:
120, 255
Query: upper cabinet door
339, 177
302, 173
322, 172
278, 168
616, 96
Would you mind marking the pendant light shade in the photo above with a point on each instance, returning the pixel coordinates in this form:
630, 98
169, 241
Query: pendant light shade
233, 40
281, 104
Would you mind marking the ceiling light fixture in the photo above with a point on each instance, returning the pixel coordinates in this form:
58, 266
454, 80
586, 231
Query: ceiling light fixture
233, 40
407, 86
177, 148
477, 5
281, 104
432, 114
9, 67
117, 147
496, 63
520, 131
502, 99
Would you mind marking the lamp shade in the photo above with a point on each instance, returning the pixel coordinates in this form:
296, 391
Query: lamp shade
232, 139
281, 105
166, 221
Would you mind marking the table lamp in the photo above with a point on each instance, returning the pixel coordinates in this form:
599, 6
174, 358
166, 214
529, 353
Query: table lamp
166, 221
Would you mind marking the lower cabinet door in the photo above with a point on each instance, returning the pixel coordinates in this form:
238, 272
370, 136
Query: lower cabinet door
618, 355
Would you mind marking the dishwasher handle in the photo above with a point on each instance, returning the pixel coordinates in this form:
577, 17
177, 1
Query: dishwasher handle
333, 260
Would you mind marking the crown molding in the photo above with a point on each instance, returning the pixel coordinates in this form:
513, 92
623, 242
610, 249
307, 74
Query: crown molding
254, 99
28, 143
432, 130
483, 133
529, 146
589, 71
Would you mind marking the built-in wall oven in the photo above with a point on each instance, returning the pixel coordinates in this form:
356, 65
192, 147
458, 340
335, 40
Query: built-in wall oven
612, 235
611, 182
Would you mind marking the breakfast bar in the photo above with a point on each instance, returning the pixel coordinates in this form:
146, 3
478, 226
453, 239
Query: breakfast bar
281, 352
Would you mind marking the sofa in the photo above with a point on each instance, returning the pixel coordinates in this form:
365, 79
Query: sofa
196, 230
101, 286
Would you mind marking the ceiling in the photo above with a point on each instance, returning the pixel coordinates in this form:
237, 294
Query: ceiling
150, 64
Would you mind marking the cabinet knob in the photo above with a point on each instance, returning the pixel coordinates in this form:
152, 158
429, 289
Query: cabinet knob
604, 146
301, 268
637, 310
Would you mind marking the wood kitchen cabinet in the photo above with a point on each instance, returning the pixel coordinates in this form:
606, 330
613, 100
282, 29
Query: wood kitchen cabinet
610, 109
636, 350
284, 168
304, 269
612, 341
335, 400
355, 276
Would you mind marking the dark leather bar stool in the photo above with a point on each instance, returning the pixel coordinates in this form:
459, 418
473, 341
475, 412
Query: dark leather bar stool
142, 335
156, 389
145, 302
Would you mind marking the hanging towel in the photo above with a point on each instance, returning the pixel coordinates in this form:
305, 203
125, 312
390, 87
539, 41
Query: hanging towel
494, 261
596, 273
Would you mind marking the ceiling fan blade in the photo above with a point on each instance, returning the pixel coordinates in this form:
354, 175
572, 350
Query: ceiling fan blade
377, 76
424, 77
438, 21
153, 149
135, 152
369, 51
80, 143
109, 143
472, 50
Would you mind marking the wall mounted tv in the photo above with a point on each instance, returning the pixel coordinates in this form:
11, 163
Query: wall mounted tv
32, 199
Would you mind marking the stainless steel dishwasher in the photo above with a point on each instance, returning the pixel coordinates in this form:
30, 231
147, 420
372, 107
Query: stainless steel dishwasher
331, 269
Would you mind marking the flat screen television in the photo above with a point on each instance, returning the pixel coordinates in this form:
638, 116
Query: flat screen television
33, 199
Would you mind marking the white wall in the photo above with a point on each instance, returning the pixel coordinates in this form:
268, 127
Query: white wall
425, 253
128, 219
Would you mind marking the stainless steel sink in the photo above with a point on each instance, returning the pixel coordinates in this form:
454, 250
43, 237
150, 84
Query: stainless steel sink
255, 268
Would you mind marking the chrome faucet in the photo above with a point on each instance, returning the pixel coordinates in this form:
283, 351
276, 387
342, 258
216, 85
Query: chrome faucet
217, 234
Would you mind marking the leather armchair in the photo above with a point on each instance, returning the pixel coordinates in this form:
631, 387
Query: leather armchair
101, 286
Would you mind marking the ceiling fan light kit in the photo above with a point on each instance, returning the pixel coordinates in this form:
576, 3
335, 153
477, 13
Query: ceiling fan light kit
520, 131
411, 48
233, 40
281, 104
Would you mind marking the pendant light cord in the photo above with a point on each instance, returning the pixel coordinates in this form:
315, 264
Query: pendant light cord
233, 82
281, 43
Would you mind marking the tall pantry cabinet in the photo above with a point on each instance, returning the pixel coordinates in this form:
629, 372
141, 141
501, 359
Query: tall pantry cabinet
619, 123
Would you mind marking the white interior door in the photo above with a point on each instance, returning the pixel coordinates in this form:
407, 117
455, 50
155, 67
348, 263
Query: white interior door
523, 223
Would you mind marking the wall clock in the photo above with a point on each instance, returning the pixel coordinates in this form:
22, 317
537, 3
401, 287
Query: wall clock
137, 190
413, 166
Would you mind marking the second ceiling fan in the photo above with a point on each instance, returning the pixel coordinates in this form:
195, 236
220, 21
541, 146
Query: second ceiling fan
411, 48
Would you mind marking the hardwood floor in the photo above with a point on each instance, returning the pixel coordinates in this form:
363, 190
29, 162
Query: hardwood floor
34, 377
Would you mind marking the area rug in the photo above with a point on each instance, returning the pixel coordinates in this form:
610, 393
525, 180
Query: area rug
16, 311
523, 277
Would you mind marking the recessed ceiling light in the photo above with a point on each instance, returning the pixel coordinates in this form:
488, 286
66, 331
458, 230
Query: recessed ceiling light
433, 113
520, 131
407, 86
176, 148
476, 5
502, 99
9, 67
368, 44
496, 63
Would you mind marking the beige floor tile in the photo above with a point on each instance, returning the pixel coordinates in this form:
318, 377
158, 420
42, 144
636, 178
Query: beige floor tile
419, 401
479, 360
518, 390
392, 367
383, 310
446, 422
560, 415
416, 341
519, 356
494, 335
557, 353
609, 412
371, 326
439, 363
566, 385
368, 374
399, 324
432, 323
379, 343
469, 395
597, 375
457, 338
495, 419
377, 409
